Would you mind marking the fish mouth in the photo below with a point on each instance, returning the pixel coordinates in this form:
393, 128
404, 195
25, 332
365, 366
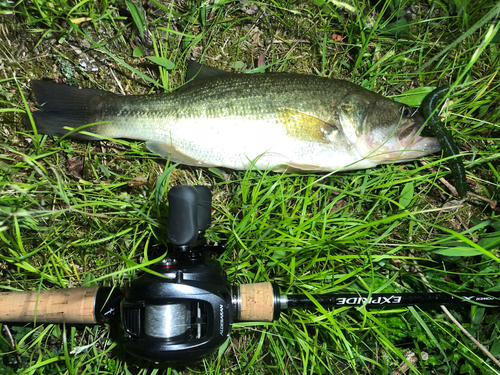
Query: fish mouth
406, 144
411, 140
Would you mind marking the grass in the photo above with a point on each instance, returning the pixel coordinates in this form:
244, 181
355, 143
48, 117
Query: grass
74, 214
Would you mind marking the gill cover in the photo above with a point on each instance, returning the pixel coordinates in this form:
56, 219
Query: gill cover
352, 114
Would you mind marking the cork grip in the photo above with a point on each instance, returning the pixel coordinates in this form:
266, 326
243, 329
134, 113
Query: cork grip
257, 302
49, 306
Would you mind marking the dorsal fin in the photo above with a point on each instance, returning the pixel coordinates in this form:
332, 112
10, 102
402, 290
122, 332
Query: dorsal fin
197, 71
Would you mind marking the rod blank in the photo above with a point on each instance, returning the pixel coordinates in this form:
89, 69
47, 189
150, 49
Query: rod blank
391, 299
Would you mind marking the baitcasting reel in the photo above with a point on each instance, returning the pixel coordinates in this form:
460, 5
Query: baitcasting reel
184, 310
183, 307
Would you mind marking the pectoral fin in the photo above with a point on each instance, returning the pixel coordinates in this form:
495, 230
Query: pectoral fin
302, 126
165, 151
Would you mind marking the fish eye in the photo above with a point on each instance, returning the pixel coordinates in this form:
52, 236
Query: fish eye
405, 111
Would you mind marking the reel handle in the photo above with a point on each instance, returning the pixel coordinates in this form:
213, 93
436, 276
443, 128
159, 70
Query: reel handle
190, 213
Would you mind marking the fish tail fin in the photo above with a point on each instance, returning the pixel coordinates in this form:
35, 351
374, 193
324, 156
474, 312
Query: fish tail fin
62, 106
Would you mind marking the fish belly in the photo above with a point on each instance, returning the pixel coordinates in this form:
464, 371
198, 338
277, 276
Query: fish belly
236, 142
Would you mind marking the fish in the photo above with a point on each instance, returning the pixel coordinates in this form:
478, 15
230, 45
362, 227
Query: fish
284, 122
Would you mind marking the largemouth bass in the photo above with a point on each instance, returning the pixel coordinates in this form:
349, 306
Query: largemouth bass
280, 121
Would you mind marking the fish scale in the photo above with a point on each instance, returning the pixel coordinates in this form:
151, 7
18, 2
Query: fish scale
280, 121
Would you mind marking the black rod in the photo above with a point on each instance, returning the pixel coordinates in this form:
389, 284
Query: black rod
390, 299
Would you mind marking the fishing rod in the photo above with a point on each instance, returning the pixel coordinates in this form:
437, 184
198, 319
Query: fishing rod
183, 308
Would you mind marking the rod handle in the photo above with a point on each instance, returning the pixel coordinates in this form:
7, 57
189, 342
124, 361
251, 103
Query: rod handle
258, 302
75, 305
